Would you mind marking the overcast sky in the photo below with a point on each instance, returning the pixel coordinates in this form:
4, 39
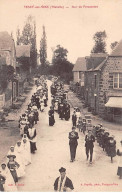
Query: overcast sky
72, 28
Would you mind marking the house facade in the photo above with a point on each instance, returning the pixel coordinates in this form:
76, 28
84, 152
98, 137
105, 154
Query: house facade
8, 53
7, 49
103, 87
78, 76
78, 71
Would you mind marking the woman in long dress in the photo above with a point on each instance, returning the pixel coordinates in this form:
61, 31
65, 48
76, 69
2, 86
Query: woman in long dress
13, 165
19, 159
26, 150
32, 136
51, 116
9, 185
21, 169
112, 148
78, 114
119, 153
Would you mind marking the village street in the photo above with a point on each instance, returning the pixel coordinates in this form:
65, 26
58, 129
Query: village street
53, 153
9, 130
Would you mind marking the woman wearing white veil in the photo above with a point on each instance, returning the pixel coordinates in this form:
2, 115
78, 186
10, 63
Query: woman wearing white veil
19, 159
12, 152
26, 153
9, 185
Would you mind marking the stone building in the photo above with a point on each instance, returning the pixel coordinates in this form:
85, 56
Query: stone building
78, 76
103, 87
8, 52
7, 49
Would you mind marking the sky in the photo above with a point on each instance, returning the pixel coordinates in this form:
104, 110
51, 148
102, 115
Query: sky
72, 28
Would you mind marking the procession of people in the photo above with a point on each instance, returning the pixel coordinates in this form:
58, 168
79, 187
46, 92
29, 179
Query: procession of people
19, 156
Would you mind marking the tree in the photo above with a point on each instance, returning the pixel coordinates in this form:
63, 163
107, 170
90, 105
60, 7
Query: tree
100, 42
60, 54
18, 36
43, 48
113, 45
60, 65
28, 37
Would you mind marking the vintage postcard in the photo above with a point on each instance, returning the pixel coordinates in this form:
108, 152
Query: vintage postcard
60, 95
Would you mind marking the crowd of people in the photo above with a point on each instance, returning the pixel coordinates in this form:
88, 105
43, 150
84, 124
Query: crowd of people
92, 133
19, 156
59, 103
97, 133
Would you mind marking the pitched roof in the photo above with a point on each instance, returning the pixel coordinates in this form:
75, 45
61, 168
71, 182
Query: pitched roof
22, 51
6, 41
100, 55
117, 51
101, 65
80, 65
94, 60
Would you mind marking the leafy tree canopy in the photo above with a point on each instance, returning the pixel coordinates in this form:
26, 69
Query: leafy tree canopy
100, 42
113, 45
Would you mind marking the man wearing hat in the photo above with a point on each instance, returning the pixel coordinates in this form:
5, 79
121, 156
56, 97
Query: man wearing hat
89, 139
73, 136
63, 183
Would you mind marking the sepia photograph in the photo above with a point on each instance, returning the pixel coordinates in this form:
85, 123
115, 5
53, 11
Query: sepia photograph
60, 96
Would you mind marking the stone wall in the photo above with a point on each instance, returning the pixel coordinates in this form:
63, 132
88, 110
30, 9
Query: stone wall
92, 90
112, 65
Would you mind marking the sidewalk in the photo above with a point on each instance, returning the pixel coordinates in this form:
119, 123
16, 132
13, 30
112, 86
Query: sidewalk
9, 130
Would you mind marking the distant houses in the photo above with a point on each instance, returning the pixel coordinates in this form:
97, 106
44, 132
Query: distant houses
78, 71
7, 49
18, 58
7, 57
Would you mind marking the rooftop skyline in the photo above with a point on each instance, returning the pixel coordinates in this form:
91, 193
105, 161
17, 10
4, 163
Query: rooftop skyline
72, 28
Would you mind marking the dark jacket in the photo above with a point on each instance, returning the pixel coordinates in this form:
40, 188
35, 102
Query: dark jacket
73, 136
68, 184
89, 141
74, 117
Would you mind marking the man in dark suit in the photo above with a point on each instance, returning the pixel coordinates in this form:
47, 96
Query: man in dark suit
63, 183
74, 119
73, 136
89, 145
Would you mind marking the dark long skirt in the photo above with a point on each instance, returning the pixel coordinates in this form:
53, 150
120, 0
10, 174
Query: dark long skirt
33, 146
67, 116
14, 175
51, 121
119, 171
112, 151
